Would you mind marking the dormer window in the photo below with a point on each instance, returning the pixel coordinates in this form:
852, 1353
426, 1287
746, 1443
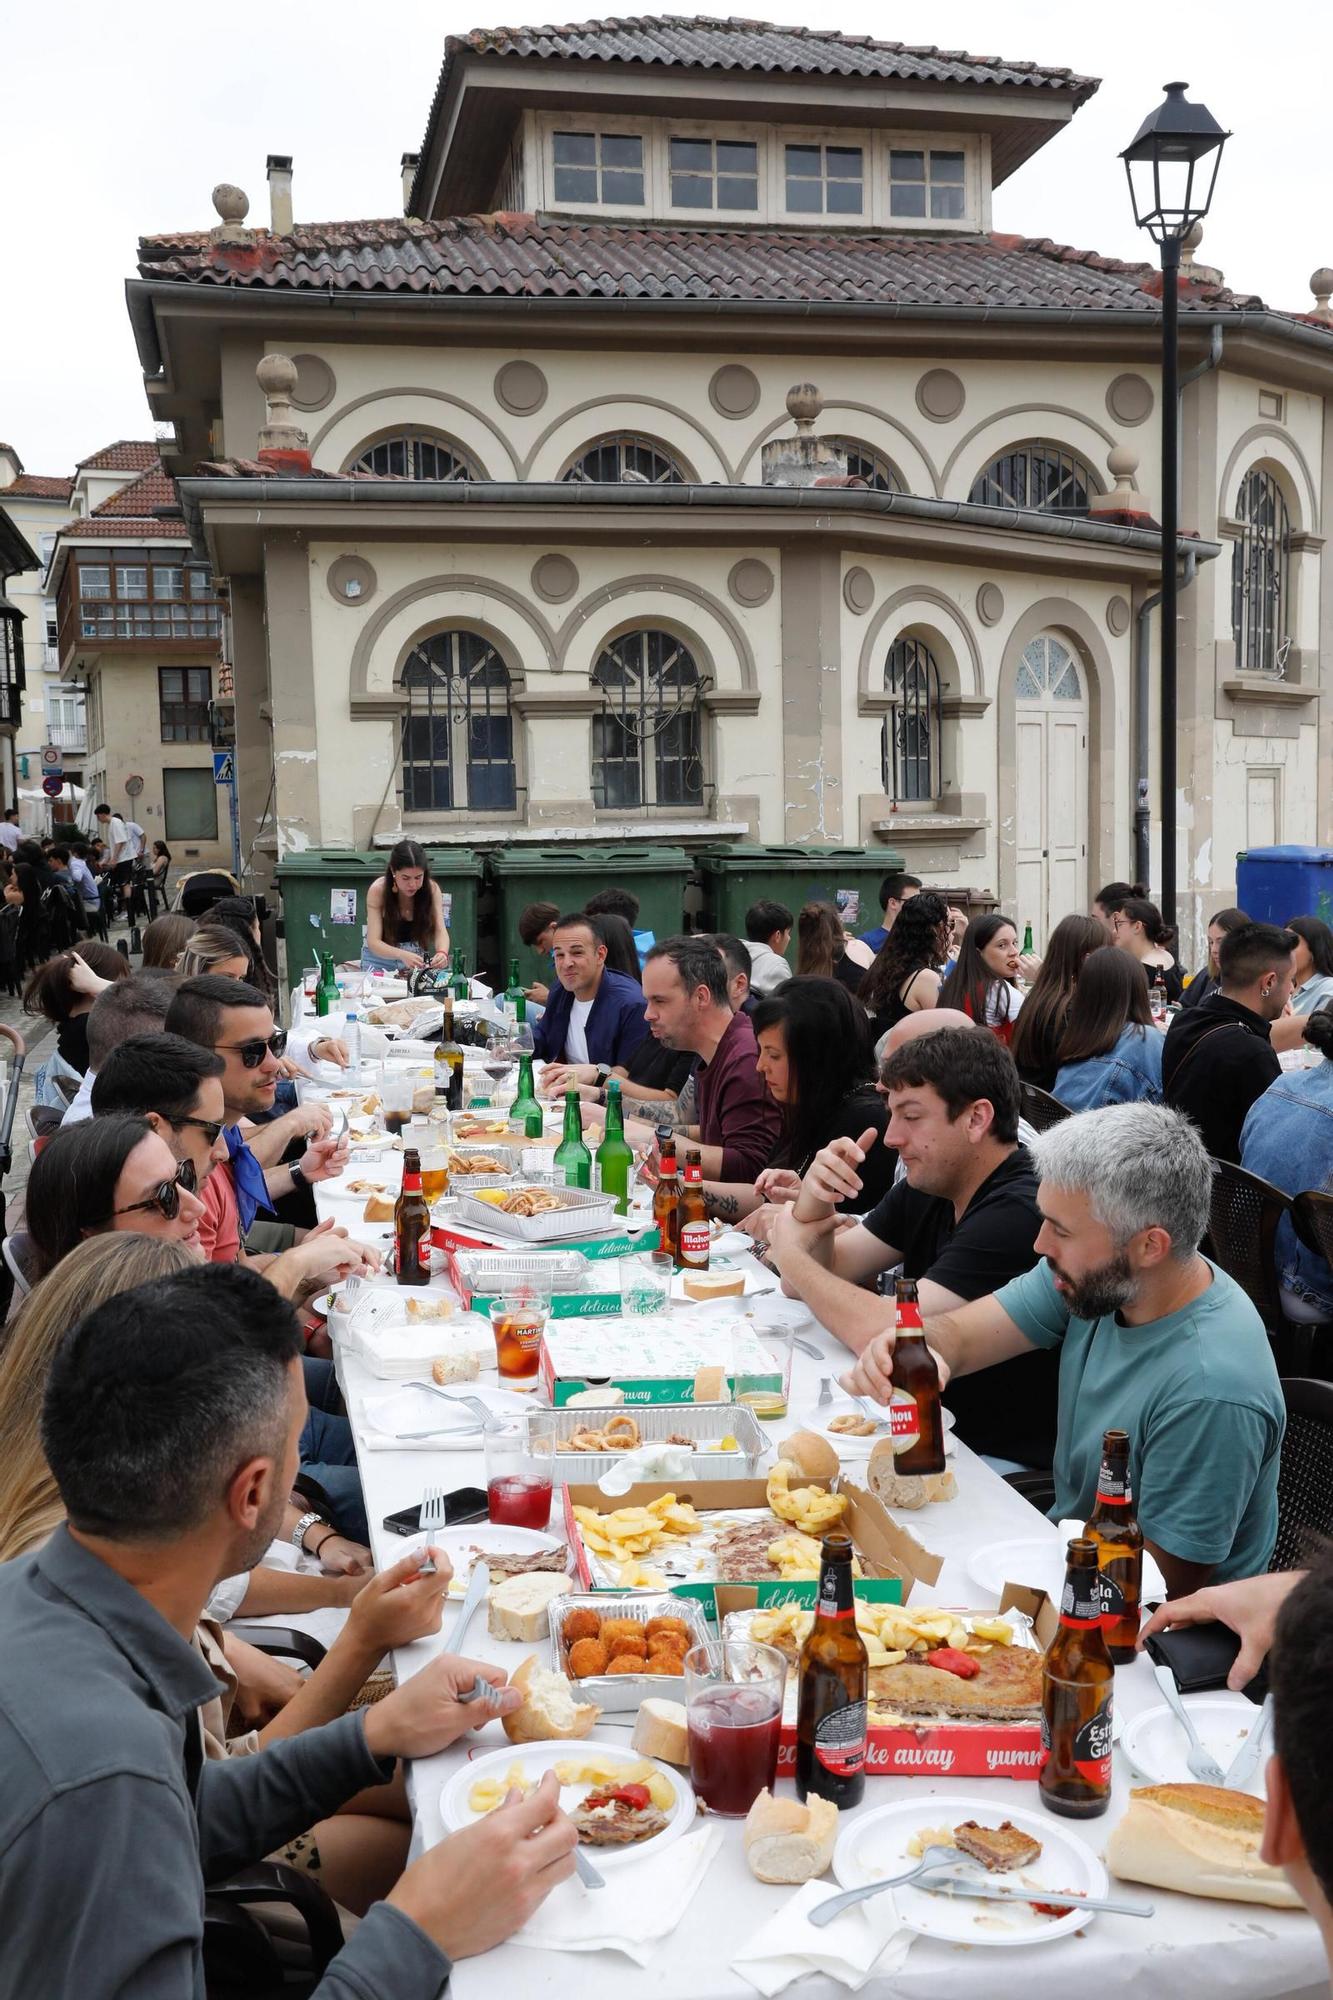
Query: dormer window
927, 183
825, 180
598, 169
714, 173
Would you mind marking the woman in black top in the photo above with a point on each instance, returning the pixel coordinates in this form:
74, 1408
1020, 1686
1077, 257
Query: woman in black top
1209, 977
1139, 930
63, 991
1040, 1027
821, 947
616, 935
815, 1055
905, 977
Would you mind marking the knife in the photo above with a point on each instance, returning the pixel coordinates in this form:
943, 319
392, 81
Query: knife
478, 1584
1246, 1760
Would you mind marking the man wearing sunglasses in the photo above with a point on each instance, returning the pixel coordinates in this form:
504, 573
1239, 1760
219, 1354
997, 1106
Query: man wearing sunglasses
177, 1087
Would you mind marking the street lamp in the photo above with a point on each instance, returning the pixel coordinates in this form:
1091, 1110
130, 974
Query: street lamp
1171, 164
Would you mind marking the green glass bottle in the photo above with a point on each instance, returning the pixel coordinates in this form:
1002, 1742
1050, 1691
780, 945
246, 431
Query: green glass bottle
573, 1161
525, 1105
1027, 940
326, 993
521, 1011
514, 995
461, 988
615, 1157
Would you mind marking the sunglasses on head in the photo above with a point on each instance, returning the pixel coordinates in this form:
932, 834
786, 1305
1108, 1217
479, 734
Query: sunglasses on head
166, 1196
252, 1053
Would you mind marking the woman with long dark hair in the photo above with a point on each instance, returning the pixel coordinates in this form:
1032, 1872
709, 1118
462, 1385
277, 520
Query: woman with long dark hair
1041, 1025
405, 926
1112, 1051
63, 991
1313, 964
1206, 981
984, 982
106, 1174
1138, 929
821, 947
815, 1056
905, 976
621, 952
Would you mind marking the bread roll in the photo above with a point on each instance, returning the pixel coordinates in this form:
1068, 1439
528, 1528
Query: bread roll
789, 1842
713, 1284
711, 1386
815, 1455
456, 1368
598, 1399
549, 1709
1201, 1840
909, 1490
516, 1608
660, 1731
379, 1208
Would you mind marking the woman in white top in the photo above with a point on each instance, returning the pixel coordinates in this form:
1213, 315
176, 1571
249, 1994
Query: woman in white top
984, 982
1313, 964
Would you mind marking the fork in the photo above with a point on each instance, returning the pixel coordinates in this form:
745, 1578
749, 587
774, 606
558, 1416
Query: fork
487, 1418
1203, 1765
430, 1520
932, 1858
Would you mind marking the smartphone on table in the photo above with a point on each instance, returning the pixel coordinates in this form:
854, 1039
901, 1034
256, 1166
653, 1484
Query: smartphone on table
465, 1503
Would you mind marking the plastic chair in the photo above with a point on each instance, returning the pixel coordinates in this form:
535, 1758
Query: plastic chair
1305, 1478
1039, 1108
246, 1958
18, 1255
1243, 1216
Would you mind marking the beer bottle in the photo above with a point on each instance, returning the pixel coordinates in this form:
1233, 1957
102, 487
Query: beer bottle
1027, 940
1119, 1538
411, 1225
525, 1105
916, 1421
449, 1062
615, 1159
692, 1249
666, 1197
573, 1161
1076, 1683
832, 1687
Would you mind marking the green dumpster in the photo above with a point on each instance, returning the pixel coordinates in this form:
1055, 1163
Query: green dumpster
735, 877
567, 876
324, 899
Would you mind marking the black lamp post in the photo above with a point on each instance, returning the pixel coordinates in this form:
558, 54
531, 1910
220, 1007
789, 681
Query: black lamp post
1171, 163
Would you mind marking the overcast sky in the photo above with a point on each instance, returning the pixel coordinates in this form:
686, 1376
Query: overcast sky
116, 124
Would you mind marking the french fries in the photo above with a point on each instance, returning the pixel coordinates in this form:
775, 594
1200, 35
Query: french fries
637, 1531
891, 1631
808, 1507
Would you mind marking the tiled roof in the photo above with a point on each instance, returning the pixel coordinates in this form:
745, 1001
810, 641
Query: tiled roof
37, 486
135, 513
519, 256
126, 455
97, 528
143, 497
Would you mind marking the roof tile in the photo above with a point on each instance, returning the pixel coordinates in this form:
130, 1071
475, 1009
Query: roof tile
125, 455
142, 498
37, 486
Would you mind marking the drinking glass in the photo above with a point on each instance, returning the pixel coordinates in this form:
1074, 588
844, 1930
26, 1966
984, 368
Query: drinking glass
310, 981
396, 1100
518, 1321
645, 1283
520, 1473
733, 1705
434, 1166
766, 1393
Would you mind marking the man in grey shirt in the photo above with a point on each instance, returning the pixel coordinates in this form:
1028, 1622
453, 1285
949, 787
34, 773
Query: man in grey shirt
170, 1422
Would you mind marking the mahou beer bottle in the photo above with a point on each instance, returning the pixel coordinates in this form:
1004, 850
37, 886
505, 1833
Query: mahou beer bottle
693, 1252
832, 1688
1119, 1538
1076, 1682
411, 1226
915, 1418
666, 1197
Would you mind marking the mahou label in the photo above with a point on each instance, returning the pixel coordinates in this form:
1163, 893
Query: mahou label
694, 1243
904, 1421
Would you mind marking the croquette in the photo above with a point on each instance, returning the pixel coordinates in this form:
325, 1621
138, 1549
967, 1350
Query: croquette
626, 1663
587, 1656
582, 1625
628, 1642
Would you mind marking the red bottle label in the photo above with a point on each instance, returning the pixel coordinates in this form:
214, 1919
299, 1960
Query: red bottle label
694, 1242
840, 1740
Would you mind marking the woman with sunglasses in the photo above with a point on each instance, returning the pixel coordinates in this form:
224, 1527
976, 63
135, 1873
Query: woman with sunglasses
106, 1174
405, 926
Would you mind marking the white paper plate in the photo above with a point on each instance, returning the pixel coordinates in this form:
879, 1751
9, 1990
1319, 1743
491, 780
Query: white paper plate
847, 1444
874, 1848
458, 1544
452, 1424
538, 1758
1038, 1561
1155, 1743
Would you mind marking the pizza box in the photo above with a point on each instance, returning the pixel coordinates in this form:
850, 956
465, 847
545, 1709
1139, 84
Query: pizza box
599, 1302
447, 1234
892, 1558
653, 1358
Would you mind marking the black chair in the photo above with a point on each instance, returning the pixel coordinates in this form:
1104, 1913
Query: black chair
282, 1641
11, 959
1305, 1478
1243, 1216
247, 1959
1039, 1108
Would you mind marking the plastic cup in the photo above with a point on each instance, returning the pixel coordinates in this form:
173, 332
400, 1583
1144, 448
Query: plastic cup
766, 1394
645, 1283
518, 1321
520, 1473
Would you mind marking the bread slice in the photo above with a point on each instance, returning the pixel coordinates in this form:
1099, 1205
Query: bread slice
908, 1490
517, 1608
786, 1841
455, 1368
598, 1399
549, 1709
1200, 1840
711, 1385
713, 1284
379, 1208
660, 1731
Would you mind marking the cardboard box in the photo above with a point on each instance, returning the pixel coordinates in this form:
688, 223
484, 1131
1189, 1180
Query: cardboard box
653, 1359
619, 1243
893, 1559
599, 1304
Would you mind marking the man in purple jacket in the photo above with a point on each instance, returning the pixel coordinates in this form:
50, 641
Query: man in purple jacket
689, 1007
593, 1015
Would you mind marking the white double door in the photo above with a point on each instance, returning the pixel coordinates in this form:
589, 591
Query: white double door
1050, 787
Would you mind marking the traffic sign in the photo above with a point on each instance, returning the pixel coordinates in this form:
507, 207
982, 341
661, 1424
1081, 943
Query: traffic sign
224, 768
53, 761
52, 785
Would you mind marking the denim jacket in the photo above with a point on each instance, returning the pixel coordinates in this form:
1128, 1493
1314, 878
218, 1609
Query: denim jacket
1127, 1074
1287, 1137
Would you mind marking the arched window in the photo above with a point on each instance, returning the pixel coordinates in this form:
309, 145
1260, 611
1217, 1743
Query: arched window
910, 738
635, 461
1260, 576
1048, 668
1040, 477
646, 741
458, 733
863, 462
414, 455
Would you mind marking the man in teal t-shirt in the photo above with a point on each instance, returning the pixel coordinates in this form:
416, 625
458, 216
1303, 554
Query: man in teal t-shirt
1153, 1340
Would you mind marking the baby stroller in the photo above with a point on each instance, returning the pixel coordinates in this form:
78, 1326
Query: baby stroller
7, 1112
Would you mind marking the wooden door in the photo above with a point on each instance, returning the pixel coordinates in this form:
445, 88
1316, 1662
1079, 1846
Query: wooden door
1051, 787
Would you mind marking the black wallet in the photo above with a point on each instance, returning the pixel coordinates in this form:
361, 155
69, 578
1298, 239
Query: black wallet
1201, 1657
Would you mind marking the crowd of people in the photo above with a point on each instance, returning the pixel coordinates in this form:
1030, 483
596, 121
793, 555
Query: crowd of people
166, 1411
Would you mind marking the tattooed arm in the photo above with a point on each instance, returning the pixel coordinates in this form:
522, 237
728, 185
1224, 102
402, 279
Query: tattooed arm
728, 1201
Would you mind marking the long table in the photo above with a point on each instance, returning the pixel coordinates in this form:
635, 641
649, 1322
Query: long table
1191, 1946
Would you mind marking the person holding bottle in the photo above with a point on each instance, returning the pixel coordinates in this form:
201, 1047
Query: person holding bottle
405, 927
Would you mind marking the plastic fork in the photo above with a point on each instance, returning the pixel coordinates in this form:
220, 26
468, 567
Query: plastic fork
932, 1859
1203, 1765
430, 1520
486, 1417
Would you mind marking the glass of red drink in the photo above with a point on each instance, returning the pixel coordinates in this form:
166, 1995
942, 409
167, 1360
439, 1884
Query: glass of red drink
733, 1702
520, 1473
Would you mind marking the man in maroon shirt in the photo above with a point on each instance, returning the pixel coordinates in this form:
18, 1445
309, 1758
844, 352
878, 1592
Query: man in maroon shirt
687, 1006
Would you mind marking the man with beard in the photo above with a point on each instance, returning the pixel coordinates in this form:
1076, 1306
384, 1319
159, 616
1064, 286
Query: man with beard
1153, 1339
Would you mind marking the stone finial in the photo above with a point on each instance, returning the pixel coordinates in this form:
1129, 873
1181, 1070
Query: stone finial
804, 405
232, 205
1191, 270
804, 459
1321, 284
280, 434
1122, 462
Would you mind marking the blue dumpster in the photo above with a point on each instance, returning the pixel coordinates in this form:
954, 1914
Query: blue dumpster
1276, 883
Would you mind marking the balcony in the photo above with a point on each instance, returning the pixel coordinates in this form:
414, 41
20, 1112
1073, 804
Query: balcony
68, 735
145, 600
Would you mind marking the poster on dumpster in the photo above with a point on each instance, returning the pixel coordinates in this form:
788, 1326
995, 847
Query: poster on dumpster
849, 908
342, 906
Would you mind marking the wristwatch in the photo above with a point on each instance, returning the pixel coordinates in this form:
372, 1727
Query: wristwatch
299, 1531
603, 1072
298, 1178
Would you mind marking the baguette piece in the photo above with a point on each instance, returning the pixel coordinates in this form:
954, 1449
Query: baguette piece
598, 1399
1200, 1840
711, 1385
713, 1284
455, 1368
660, 1731
549, 1708
908, 1490
789, 1842
516, 1608
379, 1208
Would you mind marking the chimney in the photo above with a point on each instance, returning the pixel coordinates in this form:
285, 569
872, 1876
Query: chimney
283, 445
280, 193
804, 460
409, 164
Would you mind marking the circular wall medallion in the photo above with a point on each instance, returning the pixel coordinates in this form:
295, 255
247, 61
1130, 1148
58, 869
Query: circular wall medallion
751, 582
734, 391
351, 580
554, 578
1117, 616
1130, 399
940, 395
858, 589
315, 382
520, 388
990, 604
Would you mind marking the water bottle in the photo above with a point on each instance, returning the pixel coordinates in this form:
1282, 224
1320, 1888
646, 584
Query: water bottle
352, 1038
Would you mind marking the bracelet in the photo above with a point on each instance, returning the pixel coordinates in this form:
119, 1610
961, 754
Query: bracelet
320, 1544
306, 1522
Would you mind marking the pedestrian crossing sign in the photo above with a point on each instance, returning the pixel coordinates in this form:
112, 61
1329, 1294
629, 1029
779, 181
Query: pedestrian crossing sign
224, 768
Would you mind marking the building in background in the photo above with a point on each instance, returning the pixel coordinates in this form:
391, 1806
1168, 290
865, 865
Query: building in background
512, 556
17, 558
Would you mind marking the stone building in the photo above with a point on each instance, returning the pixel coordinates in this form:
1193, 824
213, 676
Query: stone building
504, 559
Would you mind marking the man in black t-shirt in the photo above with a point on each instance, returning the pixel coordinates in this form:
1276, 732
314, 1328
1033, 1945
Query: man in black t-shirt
962, 1221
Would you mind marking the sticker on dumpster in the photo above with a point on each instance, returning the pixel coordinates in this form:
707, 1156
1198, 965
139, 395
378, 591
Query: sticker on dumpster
342, 906
849, 907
